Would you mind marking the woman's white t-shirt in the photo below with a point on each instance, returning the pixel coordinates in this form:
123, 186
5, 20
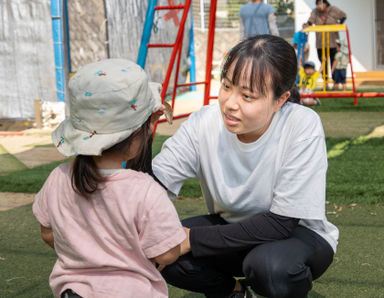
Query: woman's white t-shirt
284, 171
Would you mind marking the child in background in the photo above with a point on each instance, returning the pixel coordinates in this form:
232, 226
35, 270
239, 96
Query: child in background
108, 221
339, 66
300, 44
307, 83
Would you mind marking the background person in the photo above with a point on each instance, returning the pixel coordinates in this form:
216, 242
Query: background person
339, 66
326, 14
261, 160
307, 83
257, 17
107, 220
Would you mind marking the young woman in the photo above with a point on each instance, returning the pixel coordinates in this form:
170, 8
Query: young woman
108, 222
261, 161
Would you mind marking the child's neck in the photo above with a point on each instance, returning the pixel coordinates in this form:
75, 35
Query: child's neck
111, 161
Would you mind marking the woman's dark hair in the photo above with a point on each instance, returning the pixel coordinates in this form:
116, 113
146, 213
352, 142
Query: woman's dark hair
323, 1
272, 63
85, 174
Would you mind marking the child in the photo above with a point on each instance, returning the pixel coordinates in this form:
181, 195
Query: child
300, 44
339, 66
307, 83
108, 222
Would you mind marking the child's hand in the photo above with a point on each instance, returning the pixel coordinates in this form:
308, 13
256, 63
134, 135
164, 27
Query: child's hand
155, 116
166, 110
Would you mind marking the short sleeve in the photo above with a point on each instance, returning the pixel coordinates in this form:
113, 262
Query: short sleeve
161, 228
338, 13
271, 10
299, 191
178, 159
40, 204
241, 12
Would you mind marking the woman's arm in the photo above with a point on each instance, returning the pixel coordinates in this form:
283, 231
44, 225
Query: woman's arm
222, 239
47, 236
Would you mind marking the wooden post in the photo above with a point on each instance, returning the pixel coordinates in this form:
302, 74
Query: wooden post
38, 113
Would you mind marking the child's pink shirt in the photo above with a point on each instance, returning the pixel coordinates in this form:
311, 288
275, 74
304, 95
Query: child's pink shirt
104, 244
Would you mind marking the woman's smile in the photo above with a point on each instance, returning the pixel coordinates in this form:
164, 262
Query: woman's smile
231, 120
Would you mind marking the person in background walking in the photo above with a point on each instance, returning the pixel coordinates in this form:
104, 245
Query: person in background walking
257, 17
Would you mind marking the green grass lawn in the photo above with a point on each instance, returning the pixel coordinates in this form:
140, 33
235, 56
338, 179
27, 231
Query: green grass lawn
355, 194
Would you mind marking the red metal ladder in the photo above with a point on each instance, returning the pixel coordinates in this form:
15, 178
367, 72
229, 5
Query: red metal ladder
176, 54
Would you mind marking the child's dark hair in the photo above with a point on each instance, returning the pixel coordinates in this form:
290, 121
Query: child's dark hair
272, 61
85, 174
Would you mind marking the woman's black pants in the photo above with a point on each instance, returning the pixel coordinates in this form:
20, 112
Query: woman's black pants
283, 268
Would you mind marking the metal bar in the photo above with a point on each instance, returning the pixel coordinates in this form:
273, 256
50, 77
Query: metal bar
169, 7
354, 94
323, 60
190, 84
350, 62
328, 58
160, 45
67, 36
58, 47
145, 37
211, 37
174, 51
191, 52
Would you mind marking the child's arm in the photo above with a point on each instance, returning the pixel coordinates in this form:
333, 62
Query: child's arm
334, 66
47, 236
168, 257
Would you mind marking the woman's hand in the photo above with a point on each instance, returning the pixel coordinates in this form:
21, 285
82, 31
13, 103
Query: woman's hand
185, 246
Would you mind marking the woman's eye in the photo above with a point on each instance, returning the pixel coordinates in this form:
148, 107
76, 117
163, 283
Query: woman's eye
225, 85
248, 97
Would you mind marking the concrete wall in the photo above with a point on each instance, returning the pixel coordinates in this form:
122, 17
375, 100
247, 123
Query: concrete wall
360, 23
224, 40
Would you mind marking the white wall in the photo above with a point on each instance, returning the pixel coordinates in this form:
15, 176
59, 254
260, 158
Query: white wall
360, 23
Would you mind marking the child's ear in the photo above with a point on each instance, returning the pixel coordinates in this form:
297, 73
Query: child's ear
281, 100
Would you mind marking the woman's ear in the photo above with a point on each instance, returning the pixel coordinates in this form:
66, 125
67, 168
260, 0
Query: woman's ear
281, 100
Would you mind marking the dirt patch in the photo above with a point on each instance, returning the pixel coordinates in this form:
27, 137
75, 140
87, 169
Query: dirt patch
33, 148
9, 200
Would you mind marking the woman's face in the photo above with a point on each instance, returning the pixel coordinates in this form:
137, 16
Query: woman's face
245, 113
321, 6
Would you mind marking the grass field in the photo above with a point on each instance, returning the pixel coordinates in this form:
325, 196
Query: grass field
355, 194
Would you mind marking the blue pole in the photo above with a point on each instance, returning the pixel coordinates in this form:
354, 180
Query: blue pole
67, 36
58, 47
146, 33
192, 70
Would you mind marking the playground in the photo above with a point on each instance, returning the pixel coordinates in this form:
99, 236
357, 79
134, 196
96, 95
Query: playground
354, 130
355, 203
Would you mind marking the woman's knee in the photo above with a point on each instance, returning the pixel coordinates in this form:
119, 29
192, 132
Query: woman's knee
273, 276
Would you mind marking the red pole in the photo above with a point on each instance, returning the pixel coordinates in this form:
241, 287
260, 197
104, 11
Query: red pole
211, 37
337, 95
350, 62
175, 49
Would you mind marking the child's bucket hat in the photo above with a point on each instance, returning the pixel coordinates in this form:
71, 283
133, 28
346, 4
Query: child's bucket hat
109, 100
